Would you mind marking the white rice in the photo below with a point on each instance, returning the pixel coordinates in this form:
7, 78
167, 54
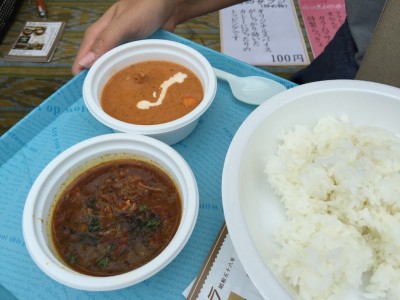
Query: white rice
340, 186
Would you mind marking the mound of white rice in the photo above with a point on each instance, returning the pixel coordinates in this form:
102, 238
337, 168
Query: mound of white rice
340, 186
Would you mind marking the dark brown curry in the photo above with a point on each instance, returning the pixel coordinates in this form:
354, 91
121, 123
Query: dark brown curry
116, 217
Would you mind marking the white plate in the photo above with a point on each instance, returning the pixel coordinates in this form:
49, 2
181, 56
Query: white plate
252, 212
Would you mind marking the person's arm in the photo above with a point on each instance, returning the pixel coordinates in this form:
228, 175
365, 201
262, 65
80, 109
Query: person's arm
134, 19
194, 8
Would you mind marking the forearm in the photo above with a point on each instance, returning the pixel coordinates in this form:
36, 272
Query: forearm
202, 7
188, 9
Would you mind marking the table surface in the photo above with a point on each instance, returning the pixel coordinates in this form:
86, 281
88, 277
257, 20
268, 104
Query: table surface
25, 85
61, 121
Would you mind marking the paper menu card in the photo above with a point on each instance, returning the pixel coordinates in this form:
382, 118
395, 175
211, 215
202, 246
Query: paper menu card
222, 275
62, 121
36, 42
263, 33
322, 19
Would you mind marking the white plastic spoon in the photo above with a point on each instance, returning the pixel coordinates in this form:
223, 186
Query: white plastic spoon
252, 89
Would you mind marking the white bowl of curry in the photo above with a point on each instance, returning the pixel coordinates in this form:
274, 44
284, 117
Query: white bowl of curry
153, 87
110, 212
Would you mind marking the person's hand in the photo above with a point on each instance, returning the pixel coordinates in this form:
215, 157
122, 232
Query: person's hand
129, 20
123, 21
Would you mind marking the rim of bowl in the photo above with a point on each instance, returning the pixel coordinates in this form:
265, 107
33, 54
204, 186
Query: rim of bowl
140, 47
37, 209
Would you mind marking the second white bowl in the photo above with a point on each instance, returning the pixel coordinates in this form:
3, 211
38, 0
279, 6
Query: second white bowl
145, 50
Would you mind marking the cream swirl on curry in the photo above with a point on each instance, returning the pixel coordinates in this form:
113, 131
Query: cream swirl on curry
125, 95
177, 78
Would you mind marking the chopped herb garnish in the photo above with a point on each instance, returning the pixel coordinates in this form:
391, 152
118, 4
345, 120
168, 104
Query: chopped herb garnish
104, 262
110, 246
91, 202
72, 258
94, 224
142, 207
153, 222
89, 239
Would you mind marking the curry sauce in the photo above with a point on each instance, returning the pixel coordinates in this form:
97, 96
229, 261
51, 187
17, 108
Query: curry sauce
116, 217
151, 92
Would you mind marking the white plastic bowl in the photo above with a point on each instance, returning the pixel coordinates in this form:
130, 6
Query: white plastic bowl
144, 50
252, 211
35, 223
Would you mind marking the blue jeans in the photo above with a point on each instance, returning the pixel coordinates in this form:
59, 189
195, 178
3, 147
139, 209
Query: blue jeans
337, 61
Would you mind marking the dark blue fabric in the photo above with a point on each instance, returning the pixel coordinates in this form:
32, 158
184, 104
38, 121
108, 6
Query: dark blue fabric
337, 61
8, 10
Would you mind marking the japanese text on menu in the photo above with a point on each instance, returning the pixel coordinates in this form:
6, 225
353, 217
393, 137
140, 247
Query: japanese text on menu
263, 32
322, 19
